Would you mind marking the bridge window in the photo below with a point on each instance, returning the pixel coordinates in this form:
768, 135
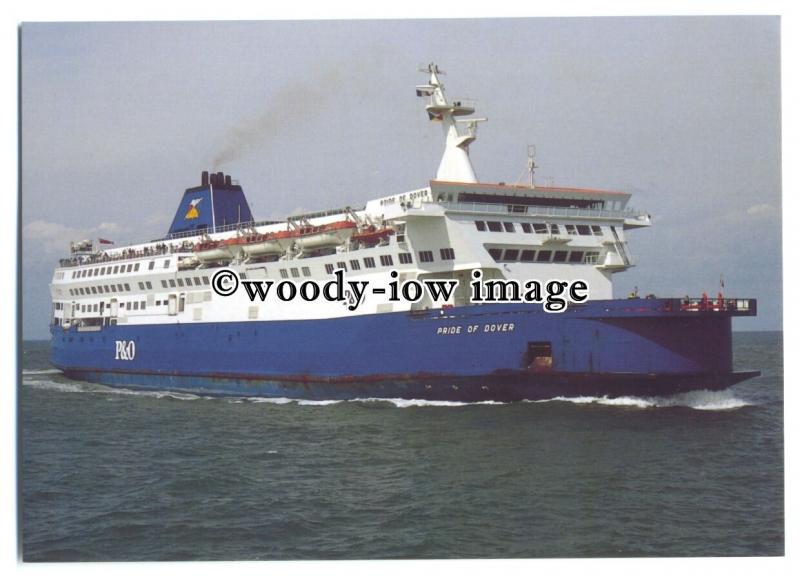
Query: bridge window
526, 227
295, 272
571, 229
387, 260
480, 225
342, 265
306, 271
539, 228
554, 229
355, 265
527, 255
576, 256
511, 255
427, 255
596, 230
329, 268
496, 253
285, 273
584, 230
509, 226
405, 258
495, 226
447, 254
544, 256
369, 262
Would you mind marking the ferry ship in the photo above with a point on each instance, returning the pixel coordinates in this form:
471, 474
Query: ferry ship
144, 316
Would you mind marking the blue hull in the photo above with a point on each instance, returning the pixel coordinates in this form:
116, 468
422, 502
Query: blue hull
501, 352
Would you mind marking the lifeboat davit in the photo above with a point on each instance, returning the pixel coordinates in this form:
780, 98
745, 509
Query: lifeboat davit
371, 235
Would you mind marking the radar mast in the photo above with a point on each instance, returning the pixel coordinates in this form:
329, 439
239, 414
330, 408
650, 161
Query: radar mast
459, 133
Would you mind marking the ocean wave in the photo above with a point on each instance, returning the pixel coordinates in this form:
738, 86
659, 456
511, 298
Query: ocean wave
41, 371
702, 400
157, 394
284, 401
271, 400
83, 387
405, 403
55, 386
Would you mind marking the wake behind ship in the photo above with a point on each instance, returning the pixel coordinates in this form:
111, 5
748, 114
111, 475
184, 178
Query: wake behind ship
145, 315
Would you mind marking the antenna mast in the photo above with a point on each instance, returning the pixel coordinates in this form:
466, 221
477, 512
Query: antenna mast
455, 165
532, 163
532, 166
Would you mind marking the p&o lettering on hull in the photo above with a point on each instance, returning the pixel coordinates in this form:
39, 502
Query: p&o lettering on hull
125, 350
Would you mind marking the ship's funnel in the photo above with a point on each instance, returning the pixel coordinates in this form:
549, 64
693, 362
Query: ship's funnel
217, 202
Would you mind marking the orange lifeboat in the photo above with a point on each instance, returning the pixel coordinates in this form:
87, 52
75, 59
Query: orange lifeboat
371, 235
325, 235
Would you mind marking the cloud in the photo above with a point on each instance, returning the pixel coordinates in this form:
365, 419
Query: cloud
761, 210
53, 238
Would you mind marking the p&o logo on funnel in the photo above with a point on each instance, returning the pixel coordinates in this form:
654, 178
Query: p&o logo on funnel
193, 212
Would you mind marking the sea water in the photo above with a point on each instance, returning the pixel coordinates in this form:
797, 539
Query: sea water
113, 474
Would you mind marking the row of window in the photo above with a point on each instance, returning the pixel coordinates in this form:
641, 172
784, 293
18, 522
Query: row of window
100, 289
538, 228
369, 262
386, 260
519, 255
143, 285
131, 306
179, 282
115, 269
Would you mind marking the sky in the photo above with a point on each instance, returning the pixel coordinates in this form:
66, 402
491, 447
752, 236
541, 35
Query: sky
684, 113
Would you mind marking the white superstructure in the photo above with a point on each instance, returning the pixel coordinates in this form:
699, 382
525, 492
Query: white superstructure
444, 230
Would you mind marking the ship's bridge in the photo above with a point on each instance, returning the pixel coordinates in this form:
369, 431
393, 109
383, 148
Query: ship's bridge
545, 200
473, 197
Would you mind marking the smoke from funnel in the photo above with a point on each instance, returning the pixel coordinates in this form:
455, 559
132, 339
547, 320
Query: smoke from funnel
290, 104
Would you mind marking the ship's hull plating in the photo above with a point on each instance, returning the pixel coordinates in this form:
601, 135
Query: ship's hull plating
487, 352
